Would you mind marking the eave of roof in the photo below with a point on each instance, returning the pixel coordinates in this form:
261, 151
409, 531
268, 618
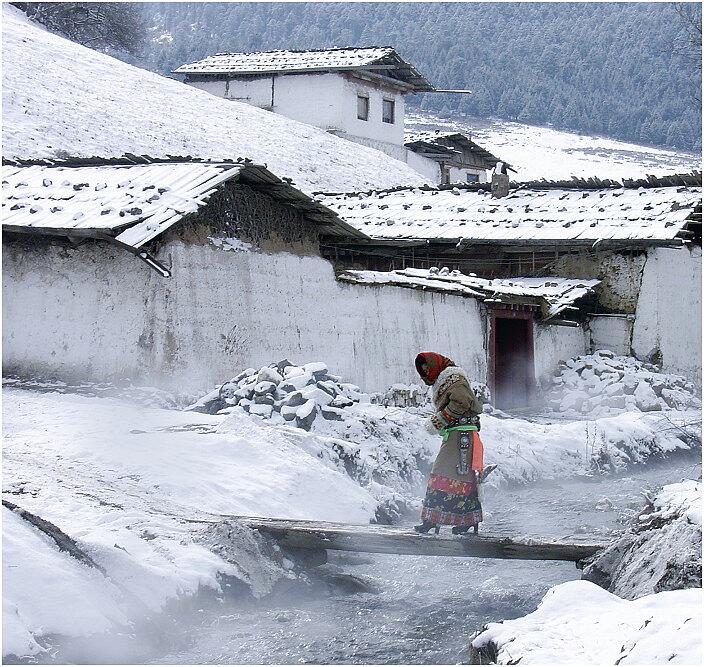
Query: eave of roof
380, 59
552, 296
150, 197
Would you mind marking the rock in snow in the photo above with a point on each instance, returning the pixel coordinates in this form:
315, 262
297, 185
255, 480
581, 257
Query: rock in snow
661, 551
285, 392
603, 384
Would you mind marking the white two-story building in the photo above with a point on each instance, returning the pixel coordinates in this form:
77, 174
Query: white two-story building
355, 93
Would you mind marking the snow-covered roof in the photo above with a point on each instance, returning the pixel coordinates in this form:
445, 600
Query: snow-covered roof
131, 204
535, 216
450, 143
62, 99
553, 295
380, 59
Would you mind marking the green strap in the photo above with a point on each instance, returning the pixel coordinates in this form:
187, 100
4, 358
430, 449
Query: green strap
445, 432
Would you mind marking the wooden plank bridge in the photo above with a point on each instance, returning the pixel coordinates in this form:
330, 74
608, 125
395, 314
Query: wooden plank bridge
318, 536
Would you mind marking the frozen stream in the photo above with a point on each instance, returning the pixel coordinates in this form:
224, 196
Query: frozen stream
423, 610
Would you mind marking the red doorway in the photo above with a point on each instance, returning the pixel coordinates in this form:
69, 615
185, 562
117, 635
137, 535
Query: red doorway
511, 366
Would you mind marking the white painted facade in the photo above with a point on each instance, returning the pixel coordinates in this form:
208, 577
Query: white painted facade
611, 332
98, 313
669, 310
327, 100
425, 166
460, 174
552, 344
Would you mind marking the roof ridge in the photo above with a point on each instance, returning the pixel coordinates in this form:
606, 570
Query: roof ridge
322, 50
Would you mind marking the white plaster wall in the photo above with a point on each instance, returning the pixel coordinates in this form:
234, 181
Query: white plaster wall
374, 128
669, 310
393, 150
315, 99
101, 314
611, 332
552, 344
256, 92
423, 165
212, 87
459, 175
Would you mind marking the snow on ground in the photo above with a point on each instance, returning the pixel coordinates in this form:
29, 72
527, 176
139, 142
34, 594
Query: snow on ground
133, 485
579, 623
543, 152
61, 99
661, 551
123, 481
656, 564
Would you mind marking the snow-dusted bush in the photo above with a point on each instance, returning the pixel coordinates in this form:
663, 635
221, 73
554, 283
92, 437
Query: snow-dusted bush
602, 384
661, 551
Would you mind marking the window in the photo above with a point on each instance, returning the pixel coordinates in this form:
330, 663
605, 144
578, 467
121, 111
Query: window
362, 107
472, 178
388, 110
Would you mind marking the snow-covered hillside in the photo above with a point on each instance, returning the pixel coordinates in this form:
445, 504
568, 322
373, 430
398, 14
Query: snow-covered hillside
62, 100
543, 152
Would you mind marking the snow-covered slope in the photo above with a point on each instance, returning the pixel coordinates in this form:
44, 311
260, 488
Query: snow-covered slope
579, 623
658, 562
61, 99
543, 152
662, 550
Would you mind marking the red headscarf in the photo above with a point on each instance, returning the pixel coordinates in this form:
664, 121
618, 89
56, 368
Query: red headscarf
436, 364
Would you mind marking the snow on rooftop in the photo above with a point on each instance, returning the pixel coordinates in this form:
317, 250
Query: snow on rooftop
288, 61
554, 294
530, 215
146, 198
63, 100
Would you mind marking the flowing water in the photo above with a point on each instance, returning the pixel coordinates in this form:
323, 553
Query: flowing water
423, 610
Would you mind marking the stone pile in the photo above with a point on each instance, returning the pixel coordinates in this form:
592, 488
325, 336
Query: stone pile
296, 394
403, 396
602, 383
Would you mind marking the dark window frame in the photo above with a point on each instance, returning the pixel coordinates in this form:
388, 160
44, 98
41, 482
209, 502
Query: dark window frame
384, 107
361, 96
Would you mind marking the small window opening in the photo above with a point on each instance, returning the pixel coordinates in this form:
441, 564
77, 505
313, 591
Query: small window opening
362, 107
472, 178
388, 111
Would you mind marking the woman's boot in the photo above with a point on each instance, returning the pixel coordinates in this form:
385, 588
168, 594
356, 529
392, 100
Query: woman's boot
426, 527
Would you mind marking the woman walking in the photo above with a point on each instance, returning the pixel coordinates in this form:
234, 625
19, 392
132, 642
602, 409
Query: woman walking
452, 496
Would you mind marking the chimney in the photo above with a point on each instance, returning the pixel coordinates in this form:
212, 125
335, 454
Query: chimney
499, 181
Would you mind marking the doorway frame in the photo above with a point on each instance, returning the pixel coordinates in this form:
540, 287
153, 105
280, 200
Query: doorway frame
512, 313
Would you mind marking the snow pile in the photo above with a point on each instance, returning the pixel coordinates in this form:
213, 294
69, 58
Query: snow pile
603, 384
580, 623
136, 488
661, 551
403, 396
529, 452
63, 100
285, 392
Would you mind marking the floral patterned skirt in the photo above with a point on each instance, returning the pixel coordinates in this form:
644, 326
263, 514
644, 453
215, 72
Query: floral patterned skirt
452, 502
